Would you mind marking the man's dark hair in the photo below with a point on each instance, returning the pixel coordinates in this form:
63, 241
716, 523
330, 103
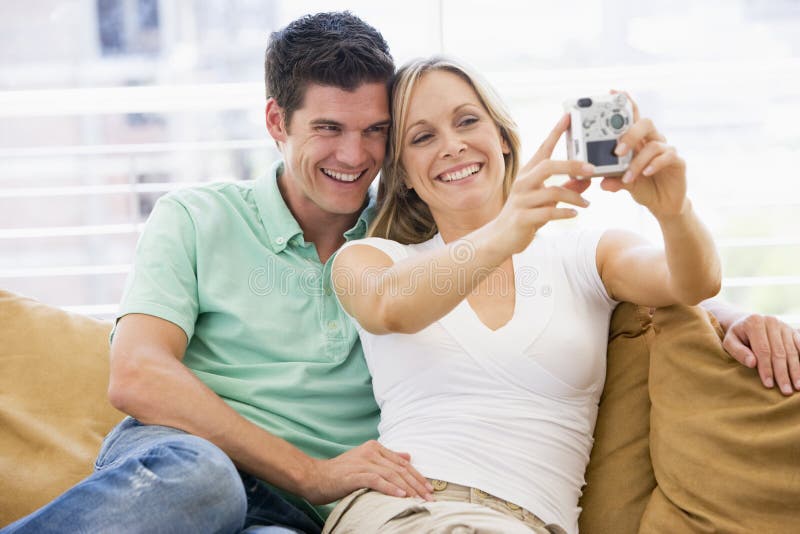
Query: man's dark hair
335, 49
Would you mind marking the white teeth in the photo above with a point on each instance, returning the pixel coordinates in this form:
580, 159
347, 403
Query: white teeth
461, 174
342, 177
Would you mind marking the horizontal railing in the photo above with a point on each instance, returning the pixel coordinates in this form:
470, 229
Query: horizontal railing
250, 96
514, 84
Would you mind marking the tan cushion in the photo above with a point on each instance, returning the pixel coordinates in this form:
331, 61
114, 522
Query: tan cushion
53, 407
725, 450
619, 478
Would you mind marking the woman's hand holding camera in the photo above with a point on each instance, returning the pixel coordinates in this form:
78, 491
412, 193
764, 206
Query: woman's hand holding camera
656, 177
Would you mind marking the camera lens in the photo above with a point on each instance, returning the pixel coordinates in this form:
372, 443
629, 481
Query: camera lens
584, 102
616, 121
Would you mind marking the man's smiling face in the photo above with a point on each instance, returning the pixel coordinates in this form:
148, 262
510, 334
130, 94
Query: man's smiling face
333, 147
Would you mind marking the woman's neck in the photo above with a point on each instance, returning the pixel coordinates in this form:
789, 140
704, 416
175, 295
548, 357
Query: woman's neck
453, 226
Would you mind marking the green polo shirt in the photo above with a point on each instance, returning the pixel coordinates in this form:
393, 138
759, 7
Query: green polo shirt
228, 264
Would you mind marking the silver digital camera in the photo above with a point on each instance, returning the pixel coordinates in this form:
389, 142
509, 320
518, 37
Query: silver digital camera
595, 125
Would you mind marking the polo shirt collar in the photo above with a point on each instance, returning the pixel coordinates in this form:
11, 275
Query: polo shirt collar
280, 225
359, 230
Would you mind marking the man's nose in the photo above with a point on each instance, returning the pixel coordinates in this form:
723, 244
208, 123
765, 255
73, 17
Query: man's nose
351, 149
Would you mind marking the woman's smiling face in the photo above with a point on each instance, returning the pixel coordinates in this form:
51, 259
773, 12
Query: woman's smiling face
452, 150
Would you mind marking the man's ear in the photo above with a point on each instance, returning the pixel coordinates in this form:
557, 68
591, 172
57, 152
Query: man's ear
276, 125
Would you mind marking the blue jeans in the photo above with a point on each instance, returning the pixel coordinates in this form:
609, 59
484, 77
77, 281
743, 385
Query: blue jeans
156, 479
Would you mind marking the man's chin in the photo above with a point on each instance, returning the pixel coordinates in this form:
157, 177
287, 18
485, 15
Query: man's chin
344, 206
347, 210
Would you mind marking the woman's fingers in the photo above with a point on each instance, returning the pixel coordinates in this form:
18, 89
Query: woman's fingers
548, 196
553, 214
537, 208
536, 176
579, 186
556, 194
668, 158
538, 217
641, 131
654, 157
642, 160
612, 184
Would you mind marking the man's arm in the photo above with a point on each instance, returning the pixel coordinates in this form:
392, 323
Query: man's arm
765, 341
150, 382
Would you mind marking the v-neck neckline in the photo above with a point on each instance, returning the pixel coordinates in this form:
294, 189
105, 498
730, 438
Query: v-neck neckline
514, 313
533, 308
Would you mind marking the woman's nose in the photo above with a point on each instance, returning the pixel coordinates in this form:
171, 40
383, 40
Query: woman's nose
453, 146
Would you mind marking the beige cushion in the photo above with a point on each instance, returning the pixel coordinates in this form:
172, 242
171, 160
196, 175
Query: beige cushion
619, 477
725, 450
54, 411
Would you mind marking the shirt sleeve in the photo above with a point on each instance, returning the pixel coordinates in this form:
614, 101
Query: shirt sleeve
582, 256
396, 251
163, 282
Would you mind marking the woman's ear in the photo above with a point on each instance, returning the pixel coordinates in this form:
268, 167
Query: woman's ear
504, 144
276, 125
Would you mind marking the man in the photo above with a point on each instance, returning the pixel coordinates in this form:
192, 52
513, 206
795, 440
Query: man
245, 381
229, 332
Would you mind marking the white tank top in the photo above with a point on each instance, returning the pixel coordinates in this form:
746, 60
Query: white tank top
509, 411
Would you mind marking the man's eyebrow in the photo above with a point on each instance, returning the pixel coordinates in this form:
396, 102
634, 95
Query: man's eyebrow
325, 122
331, 122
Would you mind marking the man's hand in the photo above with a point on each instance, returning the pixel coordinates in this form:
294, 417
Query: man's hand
370, 465
770, 344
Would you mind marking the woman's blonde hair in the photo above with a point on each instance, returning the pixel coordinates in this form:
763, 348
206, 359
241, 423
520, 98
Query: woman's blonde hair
402, 215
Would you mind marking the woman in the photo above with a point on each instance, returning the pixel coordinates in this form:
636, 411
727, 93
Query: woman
485, 336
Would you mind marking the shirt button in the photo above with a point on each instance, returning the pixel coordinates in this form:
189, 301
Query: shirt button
333, 325
280, 240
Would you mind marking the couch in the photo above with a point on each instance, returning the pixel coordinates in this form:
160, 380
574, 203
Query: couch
687, 440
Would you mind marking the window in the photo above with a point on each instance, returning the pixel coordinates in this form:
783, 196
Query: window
128, 26
176, 98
